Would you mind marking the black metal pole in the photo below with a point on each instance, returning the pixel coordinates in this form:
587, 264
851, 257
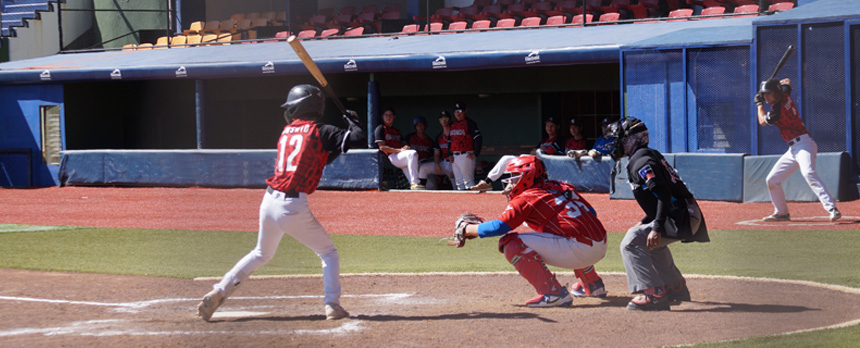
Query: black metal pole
60, 24
584, 7
167, 23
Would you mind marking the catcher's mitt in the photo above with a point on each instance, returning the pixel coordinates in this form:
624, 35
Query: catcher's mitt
466, 219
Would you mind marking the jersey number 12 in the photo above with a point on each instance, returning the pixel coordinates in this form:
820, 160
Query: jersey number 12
295, 142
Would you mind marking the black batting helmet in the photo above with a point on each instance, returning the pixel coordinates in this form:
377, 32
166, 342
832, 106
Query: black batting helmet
769, 85
305, 102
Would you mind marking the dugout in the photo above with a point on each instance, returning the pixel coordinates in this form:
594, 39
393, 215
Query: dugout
690, 81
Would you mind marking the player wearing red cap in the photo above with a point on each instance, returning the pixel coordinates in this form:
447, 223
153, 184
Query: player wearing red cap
567, 234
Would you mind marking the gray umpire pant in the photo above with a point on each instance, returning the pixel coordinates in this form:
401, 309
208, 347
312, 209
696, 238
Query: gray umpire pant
647, 268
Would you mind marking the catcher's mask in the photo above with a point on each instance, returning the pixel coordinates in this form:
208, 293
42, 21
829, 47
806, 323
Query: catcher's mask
622, 132
305, 102
526, 172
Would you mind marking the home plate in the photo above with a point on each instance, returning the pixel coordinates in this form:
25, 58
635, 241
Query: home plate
237, 314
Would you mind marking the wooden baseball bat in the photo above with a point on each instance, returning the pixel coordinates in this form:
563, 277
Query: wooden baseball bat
315, 71
783, 60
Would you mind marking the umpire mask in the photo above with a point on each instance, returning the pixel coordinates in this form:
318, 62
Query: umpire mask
626, 137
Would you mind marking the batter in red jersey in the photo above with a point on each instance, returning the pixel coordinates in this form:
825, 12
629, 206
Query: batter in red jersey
304, 148
801, 153
567, 232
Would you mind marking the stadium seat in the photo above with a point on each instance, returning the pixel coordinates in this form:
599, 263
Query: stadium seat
481, 24
195, 28
144, 46
354, 31
506, 23
781, 6
237, 17
578, 19
178, 41
270, 15
161, 42
129, 47
282, 34
555, 20
224, 38
713, 10
530, 22
209, 40
329, 32
411, 28
212, 27
609, 17
193, 39
305, 33
753, 9
315, 22
460, 25
680, 15
435, 26
252, 15
259, 22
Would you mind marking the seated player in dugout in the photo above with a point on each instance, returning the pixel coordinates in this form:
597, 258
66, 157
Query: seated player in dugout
390, 141
574, 146
424, 145
567, 234
551, 145
603, 144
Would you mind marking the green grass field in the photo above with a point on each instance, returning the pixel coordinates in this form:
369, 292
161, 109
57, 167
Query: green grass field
831, 257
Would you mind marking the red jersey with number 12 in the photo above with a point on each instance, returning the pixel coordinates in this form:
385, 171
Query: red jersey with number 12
301, 158
555, 207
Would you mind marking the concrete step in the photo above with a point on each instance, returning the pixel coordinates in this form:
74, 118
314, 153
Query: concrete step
41, 6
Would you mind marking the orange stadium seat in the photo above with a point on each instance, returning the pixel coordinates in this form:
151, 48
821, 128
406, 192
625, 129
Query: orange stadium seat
609, 17
410, 28
713, 10
354, 31
129, 47
555, 20
194, 39
329, 32
209, 40
530, 22
506, 23
457, 25
578, 19
161, 42
178, 41
781, 6
678, 15
304, 33
481, 24
195, 28
144, 46
753, 9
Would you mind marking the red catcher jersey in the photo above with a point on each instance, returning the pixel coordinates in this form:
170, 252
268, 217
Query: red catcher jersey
790, 125
424, 146
555, 207
303, 151
461, 136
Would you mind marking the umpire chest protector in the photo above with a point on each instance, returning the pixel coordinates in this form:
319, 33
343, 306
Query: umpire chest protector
652, 179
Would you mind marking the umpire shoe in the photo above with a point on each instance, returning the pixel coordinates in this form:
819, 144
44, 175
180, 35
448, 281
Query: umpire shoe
835, 215
482, 185
596, 289
334, 311
649, 302
678, 292
562, 299
210, 303
777, 217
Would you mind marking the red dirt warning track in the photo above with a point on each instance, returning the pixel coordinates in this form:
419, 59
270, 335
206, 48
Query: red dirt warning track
346, 212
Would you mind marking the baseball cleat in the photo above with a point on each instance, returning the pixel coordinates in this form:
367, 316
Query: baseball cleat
835, 215
645, 302
334, 311
596, 289
417, 187
777, 217
210, 303
562, 299
482, 186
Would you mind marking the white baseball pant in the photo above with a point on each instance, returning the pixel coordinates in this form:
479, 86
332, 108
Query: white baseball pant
280, 215
563, 252
464, 171
499, 168
800, 155
408, 162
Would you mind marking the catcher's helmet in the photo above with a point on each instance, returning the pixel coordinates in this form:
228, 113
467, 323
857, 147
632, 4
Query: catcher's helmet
769, 85
305, 102
623, 129
526, 172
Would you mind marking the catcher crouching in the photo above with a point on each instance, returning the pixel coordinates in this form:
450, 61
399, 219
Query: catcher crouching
567, 233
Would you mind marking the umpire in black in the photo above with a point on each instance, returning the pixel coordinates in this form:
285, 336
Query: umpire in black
671, 214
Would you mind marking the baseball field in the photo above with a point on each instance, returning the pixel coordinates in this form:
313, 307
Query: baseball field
127, 266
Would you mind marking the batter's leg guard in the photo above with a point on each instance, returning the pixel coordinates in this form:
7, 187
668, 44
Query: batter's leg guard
529, 264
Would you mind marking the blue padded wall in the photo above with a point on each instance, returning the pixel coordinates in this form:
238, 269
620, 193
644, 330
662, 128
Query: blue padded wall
833, 167
356, 169
587, 174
